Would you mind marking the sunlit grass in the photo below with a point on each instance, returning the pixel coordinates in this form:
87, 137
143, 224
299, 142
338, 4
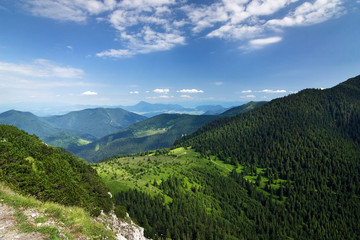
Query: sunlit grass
145, 171
75, 221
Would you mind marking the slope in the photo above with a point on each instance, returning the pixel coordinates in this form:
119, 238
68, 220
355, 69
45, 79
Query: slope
242, 109
178, 194
310, 139
98, 122
287, 170
50, 174
24, 217
154, 133
28, 122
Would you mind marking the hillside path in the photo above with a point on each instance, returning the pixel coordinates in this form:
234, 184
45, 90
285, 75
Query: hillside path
8, 229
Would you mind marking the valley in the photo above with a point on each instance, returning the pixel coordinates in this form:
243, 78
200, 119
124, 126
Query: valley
285, 169
179, 120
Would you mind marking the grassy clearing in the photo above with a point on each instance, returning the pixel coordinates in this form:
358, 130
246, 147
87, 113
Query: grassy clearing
52, 219
82, 142
149, 132
145, 172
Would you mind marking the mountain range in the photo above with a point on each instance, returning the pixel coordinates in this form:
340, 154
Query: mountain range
100, 127
156, 132
288, 169
74, 128
142, 108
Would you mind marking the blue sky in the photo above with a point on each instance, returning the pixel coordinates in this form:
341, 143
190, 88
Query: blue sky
120, 52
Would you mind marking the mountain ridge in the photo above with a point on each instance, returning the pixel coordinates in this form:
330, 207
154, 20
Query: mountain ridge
156, 132
289, 169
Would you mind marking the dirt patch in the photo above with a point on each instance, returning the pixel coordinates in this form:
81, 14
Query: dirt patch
8, 228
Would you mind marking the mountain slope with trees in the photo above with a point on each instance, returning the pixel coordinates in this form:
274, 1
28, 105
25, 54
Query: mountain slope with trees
311, 140
242, 108
289, 169
50, 174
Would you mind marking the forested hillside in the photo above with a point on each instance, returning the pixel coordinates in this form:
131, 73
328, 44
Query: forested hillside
287, 170
311, 140
50, 174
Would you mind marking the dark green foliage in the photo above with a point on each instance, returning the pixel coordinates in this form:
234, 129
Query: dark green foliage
242, 109
224, 207
120, 211
311, 139
50, 174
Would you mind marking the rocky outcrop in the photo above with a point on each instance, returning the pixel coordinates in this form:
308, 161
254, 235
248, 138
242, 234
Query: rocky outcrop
124, 229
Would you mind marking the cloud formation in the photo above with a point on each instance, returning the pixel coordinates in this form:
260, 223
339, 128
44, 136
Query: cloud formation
190, 91
145, 26
41, 68
68, 10
89, 93
134, 92
161, 97
162, 90
272, 91
248, 96
259, 43
246, 91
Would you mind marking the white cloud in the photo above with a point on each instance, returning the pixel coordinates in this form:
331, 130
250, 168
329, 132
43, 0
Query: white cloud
117, 53
165, 96
69, 47
246, 91
310, 13
205, 16
185, 96
41, 68
248, 96
266, 7
68, 10
145, 41
14, 82
162, 90
253, 20
236, 32
259, 43
89, 93
134, 92
272, 91
161, 97
190, 91
218, 83
146, 26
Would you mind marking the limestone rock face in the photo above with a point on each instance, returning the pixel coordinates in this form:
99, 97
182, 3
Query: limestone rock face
124, 229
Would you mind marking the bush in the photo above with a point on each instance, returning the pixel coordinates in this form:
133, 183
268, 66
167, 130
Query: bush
120, 211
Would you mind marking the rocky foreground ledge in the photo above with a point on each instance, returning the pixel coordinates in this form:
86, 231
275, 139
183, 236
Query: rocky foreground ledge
27, 218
